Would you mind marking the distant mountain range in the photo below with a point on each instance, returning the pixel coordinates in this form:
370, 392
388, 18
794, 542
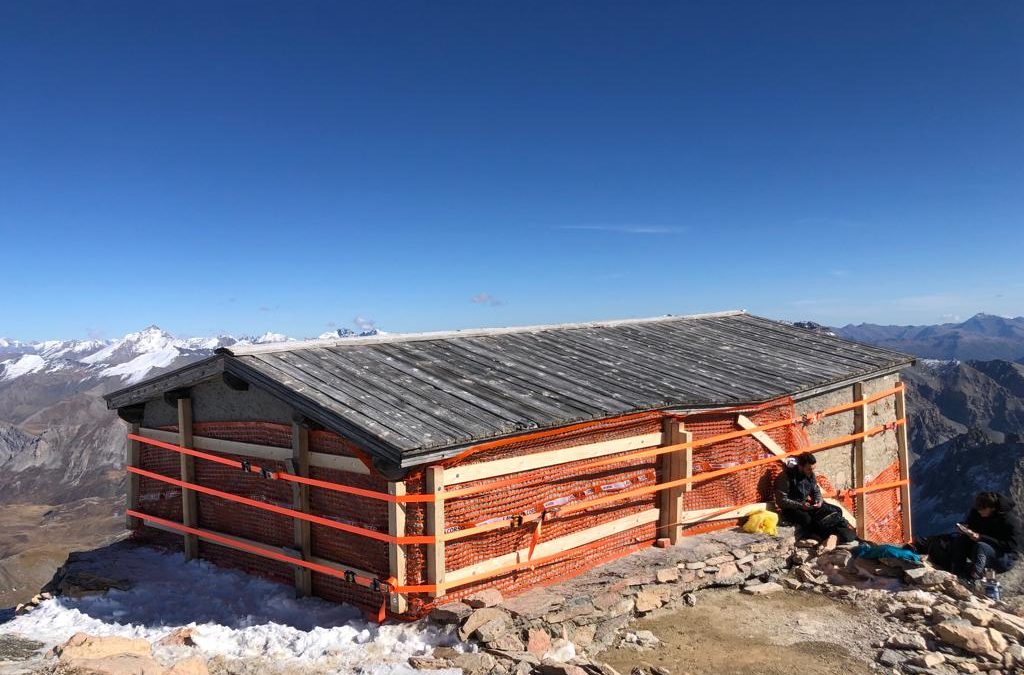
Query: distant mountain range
966, 405
981, 338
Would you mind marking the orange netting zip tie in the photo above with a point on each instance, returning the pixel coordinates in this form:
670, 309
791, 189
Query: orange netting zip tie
284, 511
281, 475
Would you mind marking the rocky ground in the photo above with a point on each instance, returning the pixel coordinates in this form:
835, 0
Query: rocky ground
721, 603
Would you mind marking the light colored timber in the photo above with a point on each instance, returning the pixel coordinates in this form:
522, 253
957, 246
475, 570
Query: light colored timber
265, 547
540, 460
189, 502
300, 502
860, 416
435, 525
317, 459
765, 440
904, 460
396, 552
132, 459
710, 515
673, 467
558, 545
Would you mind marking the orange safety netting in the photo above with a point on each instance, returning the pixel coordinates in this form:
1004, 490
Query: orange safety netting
489, 518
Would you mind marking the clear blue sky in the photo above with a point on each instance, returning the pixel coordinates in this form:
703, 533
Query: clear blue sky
241, 166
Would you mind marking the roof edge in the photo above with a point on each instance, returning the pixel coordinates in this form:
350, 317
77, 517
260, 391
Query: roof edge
469, 332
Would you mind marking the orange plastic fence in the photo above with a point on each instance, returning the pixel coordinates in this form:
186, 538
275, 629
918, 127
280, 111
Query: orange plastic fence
639, 486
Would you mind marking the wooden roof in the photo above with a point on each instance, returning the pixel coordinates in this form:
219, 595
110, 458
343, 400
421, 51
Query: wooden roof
413, 398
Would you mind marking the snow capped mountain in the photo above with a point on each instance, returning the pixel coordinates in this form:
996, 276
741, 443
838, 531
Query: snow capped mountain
129, 359
347, 333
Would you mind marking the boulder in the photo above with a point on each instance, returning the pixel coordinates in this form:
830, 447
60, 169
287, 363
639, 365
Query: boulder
929, 660
728, 573
978, 616
762, 589
970, 638
911, 641
666, 575
85, 646
538, 642
190, 666
451, 612
475, 663
494, 629
116, 664
889, 658
180, 637
80, 584
647, 601
480, 617
428, 663
489, 597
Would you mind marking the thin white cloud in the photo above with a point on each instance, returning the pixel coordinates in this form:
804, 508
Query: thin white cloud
626, 229
362, 323
486, 299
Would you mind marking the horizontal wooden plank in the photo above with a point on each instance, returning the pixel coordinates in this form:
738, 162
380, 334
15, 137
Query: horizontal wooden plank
320, 459
560, 544
710, 515
540, 460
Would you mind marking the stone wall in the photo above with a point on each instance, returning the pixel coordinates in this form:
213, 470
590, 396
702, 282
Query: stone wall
879, 450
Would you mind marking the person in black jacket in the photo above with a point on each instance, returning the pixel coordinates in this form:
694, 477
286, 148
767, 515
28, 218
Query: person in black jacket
987, 538
798, 498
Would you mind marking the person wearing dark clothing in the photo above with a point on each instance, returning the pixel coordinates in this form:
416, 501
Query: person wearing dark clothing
798, 498
987, 538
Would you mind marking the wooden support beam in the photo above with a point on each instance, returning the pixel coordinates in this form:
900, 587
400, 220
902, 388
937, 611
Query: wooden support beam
540, 460
396, 552
860, 419
561, 544
318, 459
767, 441
673, 468
189, 504
710, 515
435, 526
300, 502
903, 456
132, 459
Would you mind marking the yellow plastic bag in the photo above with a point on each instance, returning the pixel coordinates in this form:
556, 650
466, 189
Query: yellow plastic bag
763, 521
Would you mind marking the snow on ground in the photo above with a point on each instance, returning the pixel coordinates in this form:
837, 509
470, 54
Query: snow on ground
29, 363
234, 615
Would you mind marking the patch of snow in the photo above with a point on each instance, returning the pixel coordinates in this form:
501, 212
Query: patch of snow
234, 615
53, 349
269, 337
136, 369
29, 363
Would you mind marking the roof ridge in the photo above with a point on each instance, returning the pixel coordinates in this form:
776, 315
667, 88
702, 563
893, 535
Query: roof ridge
469, 332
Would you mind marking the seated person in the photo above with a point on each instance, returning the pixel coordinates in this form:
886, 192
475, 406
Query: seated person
799, 500
987, 537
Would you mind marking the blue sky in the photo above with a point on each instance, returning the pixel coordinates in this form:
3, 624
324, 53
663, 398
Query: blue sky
238, 166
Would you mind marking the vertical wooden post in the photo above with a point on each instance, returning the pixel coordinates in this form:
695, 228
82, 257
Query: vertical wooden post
396, 552
673, 467
132, 459
435, 526
300, 502
860, 418
189, 506
687, 459
904, 460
